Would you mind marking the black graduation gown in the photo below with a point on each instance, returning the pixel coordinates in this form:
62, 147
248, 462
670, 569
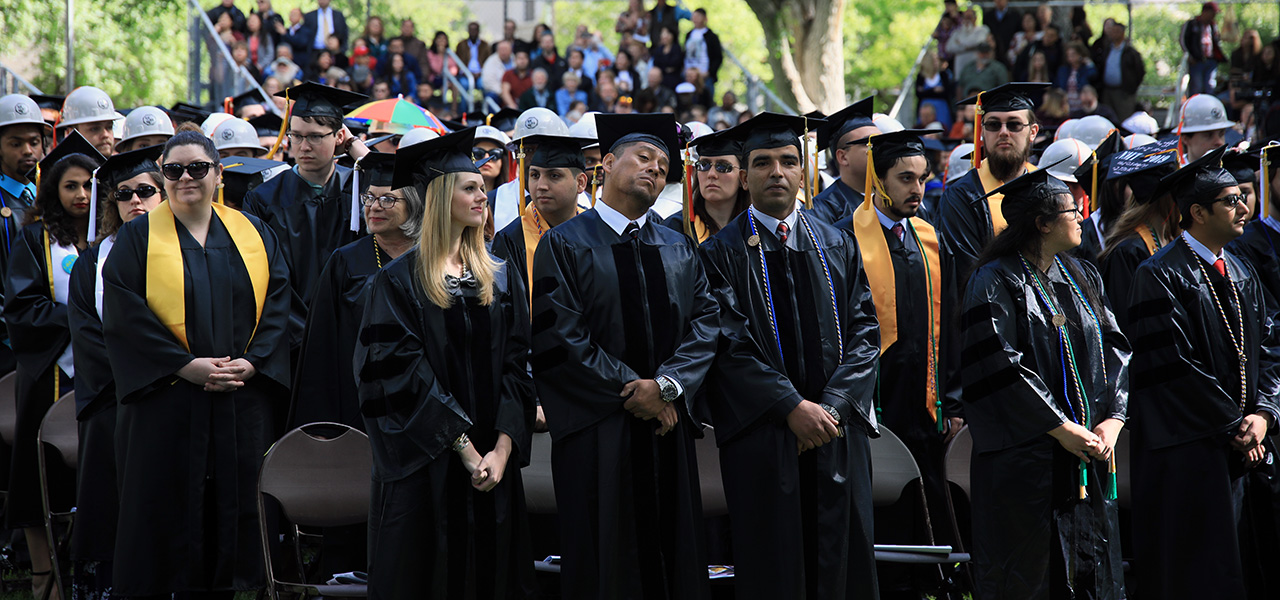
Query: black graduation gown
1186, 399
39, 333
606, 312
508, 245
1259, 247
10, 231
803, 525
1117, 270
1090, 246
834, 203
425, 377
188, 460
324, 388
964, 222
309, 228
97, 504
1032, 536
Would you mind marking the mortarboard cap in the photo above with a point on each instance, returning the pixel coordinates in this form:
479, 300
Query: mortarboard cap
183, 112
720, 143
554, 151
47, 101
1198, 181
241, 174
1008, 97
1033, 185
422, 162
1101, 155
888, 147
356, 127
504, 119
249, 98
1242, 164
773, 130
74, 143
315, 100
1131, 162
658, 129
127, 165
857, 115
377, 168
267, 125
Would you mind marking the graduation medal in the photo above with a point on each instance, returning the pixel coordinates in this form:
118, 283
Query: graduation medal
1059, 320
6, 212
753, 240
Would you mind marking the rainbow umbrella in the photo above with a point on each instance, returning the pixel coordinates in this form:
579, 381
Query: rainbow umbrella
401, 111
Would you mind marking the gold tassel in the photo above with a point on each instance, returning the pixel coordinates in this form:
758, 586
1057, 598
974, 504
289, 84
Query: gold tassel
220, 200
1093, 193
288, 110
816, 175
976, 159
521, 175
808, 190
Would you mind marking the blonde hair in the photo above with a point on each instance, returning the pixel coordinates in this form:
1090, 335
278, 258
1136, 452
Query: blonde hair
433, 246
1136, 215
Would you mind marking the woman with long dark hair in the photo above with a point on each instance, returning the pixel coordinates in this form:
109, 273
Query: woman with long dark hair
133, 188
719, 196
403, 81
1045, 376
440, 363
196, 296
35, 311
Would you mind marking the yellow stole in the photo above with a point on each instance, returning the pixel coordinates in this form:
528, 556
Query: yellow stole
989, 182
878, 266
700, 230
166, 293
533, 226
1144, 232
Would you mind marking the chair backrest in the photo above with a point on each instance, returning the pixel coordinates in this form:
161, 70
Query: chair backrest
892, 468
959, 455
60, 429
712, 484
8, 407
320, 481
539, 488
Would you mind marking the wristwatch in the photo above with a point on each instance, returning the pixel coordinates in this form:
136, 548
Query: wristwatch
667, 389
831, 410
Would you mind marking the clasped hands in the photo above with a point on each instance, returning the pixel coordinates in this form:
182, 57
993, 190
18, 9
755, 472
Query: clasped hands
644, 400
1099, 443
218, 374
1249, 436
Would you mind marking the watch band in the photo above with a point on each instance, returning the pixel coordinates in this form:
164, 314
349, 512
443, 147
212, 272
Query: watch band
667, 389
831, 410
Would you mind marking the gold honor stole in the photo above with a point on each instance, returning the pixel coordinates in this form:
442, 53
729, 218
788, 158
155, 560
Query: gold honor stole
989, 183
878, 266
1148, 239
166, 293
532, 224
700, 230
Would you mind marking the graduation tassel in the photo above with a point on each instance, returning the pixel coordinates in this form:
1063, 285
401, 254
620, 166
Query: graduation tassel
595, 183
355, 198
1093, 190
288, 109
687, 180
808, 190
814, 154
1264, 164
521, 174
93, 207
1084, 480
1111, 476
872, 181
220, 200
976, 157
226, 106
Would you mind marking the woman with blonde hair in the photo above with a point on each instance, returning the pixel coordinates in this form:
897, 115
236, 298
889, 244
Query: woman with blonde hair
446, 398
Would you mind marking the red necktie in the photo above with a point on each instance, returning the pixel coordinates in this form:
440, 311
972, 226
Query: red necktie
897, 230
783, 232
1221, 266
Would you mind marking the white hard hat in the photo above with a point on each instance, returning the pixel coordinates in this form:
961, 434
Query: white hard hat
886, 124
236, 134
542, 121
586, 128
1065, 130
213, 121
17, 109
1092, 130
493, 134
87, 104
1074, 151
958, 163
144, 121
1203, 112
697, 128
417, 136
1138, 140
1141, 122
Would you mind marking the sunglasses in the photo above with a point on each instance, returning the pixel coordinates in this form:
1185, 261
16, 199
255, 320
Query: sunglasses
720, 167
478, 154
197, 170
1231, 201
1013, 126
143, 192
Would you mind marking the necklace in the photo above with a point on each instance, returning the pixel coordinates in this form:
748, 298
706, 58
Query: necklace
768, 289
376, 253
1237, 339
1154, 238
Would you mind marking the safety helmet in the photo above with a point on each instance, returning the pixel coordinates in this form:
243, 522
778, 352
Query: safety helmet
213, 121
1062, 158
144, 121
17, 109
1065, 130
493, 134
697, 128
958, 163
1141, 122
540, 121
417, 136
1138, 140
236, 134
1092, 130
1203, 112
88, 104
586, 128
886, 124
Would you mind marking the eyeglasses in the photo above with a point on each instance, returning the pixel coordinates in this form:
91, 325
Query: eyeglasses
384, 202
1231, 201
478, 154
143, 192
197, 170
720, 167
1079, 210
993, 126
311, 138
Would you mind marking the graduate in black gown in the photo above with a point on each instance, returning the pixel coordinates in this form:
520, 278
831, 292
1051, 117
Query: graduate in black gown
441, 370
132, 187
909, 276
1260, 244
195, 317
623, 334
792, 388
22, 144
969, 216
718, 196
324, 387
842, 133
309, 207
1206, 374
56, 229
1148, 223
1045, 375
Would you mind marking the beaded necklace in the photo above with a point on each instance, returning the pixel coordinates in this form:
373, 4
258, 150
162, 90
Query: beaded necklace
1154, 238
1237, 340
376, 253
768, 288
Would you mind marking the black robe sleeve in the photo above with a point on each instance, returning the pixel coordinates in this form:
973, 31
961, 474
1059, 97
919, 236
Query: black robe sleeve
517, 407
964, 224
38, 327
1118, 268
95, 388
851, 387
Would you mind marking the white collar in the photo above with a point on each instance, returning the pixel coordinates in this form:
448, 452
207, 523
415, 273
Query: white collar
615, 220
771, 224
1200, 249
887, 222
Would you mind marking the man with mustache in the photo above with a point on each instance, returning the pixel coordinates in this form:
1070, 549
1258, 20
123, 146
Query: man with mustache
1006, 127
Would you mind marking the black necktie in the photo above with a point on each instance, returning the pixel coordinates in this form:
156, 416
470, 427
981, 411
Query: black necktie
631, 232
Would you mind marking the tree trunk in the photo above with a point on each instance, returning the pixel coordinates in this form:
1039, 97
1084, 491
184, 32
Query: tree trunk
806, 50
